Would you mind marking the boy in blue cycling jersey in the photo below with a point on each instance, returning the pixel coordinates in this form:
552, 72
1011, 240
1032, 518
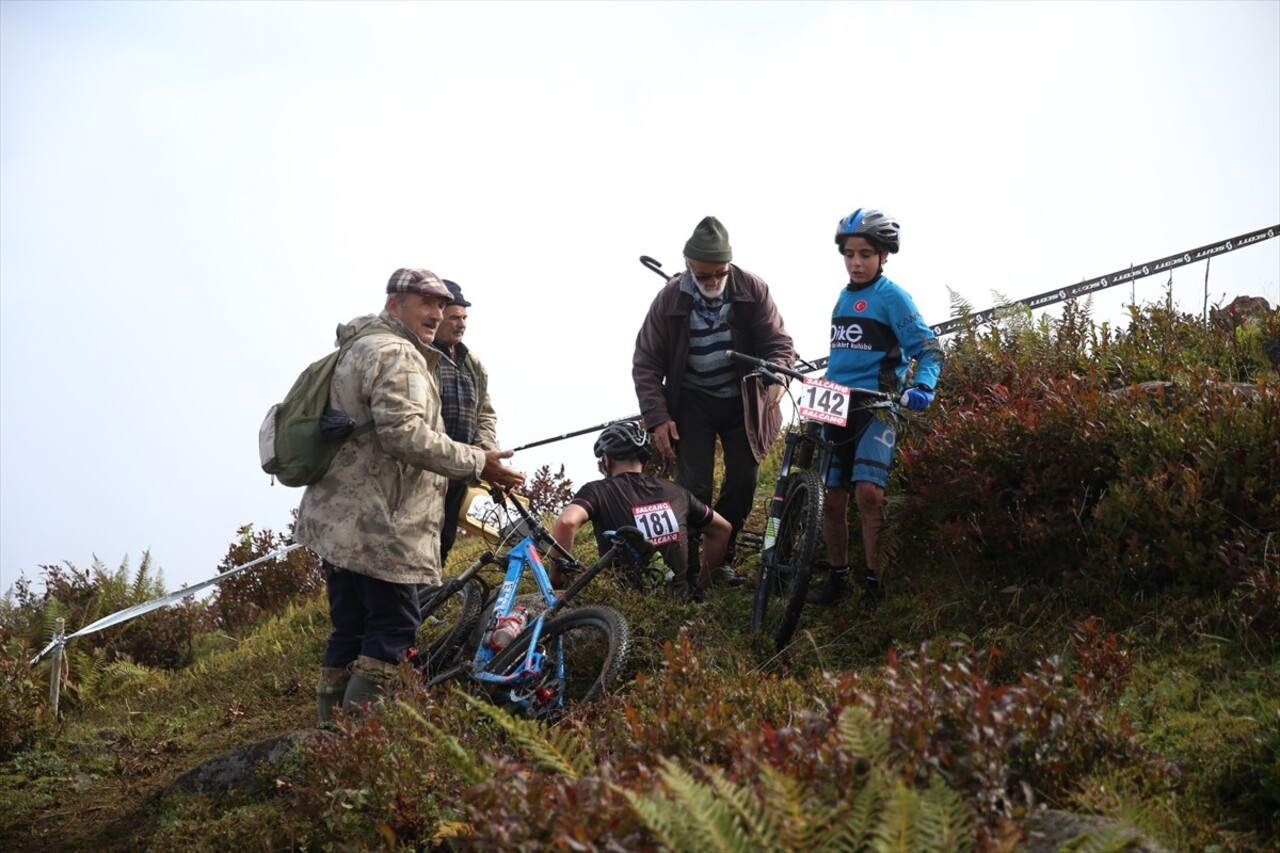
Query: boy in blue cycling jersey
876, 332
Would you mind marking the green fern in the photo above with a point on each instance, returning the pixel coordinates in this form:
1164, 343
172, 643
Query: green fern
555, 749
146, 584
462, 761
703, 810
961, 308
862, 736
1012, 314
666, 823
127, 678
54, 610
853, 831
695, 816
86, 669
896, 830
946, 821
793, 818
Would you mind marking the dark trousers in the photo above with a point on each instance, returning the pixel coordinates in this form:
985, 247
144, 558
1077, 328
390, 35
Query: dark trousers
452, 506
371, 617
700, 418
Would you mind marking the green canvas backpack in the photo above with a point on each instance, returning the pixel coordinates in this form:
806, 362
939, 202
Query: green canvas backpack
300, 435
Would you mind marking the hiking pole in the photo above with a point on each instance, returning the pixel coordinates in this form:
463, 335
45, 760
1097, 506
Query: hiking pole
575, 433
656, 266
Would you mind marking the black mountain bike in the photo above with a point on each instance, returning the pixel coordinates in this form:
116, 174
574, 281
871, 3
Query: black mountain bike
794, 523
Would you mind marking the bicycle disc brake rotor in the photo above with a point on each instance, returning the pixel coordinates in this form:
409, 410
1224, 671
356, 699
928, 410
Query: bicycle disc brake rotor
537, 692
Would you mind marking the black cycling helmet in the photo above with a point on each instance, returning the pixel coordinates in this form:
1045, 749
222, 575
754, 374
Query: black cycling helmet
875, 225
626, 440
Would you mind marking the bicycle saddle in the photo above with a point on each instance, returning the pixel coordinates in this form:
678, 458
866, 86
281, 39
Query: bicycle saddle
631, 539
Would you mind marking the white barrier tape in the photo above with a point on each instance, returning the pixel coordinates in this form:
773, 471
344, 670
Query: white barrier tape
156, 603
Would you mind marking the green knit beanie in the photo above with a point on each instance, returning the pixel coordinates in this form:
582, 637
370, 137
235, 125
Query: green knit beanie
710, 243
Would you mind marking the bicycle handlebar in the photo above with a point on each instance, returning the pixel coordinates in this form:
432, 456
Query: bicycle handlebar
539, 532
629, 538
761, 364
769, 368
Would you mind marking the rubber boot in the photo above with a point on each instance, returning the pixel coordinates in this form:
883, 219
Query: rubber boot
371, 680
834, 590
330, 690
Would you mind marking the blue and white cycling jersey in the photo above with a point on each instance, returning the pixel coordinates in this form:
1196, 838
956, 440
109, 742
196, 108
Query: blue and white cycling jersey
875, 332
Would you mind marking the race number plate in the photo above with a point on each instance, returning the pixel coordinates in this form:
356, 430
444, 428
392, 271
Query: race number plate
657, 522
824, 401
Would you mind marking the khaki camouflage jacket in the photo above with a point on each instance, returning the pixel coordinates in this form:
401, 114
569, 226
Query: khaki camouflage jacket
378, 509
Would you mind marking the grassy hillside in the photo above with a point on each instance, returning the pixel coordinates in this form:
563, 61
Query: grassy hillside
1085, 614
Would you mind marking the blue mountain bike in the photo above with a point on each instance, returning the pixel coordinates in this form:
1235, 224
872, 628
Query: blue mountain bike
561, 656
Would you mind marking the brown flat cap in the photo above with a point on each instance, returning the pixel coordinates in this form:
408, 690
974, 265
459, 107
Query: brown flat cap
424, 282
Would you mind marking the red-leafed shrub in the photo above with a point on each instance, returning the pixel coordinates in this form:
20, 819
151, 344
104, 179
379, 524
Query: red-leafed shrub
245, 598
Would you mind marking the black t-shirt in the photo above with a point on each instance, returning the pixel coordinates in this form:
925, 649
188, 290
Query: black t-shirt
663, 511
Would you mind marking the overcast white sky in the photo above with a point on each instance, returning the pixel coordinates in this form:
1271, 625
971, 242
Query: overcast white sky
193, 195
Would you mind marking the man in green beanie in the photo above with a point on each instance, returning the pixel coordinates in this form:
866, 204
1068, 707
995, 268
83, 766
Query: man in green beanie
691, 394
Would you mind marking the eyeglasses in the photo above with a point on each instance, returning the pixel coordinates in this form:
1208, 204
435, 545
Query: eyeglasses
703, 278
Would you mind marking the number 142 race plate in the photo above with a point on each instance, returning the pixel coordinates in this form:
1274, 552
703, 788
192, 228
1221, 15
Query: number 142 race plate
824, 401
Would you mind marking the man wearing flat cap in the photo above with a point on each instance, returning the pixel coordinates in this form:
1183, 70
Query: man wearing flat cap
465, 405
690, 394
374, 518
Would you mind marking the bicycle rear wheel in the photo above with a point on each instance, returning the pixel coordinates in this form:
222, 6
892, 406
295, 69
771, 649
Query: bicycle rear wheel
447, 622
593, 643
783, 581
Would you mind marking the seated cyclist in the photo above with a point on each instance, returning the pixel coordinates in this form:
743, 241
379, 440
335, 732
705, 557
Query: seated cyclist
876, 332
663, 511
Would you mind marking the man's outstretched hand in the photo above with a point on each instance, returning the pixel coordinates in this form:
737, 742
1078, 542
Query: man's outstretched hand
498, 474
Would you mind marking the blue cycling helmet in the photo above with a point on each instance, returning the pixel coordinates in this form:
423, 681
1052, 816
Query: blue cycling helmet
875, 225
625, 440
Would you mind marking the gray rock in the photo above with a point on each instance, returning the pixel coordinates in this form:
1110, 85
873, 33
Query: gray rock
242, 768
1049, 830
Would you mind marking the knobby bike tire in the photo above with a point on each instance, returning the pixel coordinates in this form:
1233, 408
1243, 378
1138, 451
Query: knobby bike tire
596, 643
783, 581
446, 625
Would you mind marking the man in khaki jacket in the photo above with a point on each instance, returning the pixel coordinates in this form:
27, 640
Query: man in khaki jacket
375, 516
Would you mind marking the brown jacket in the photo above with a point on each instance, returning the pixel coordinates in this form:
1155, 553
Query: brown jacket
662, 352
377, 511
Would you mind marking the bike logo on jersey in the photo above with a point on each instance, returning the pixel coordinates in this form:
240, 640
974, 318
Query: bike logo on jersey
847, 336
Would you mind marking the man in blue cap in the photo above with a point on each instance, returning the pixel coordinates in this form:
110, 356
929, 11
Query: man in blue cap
465, 405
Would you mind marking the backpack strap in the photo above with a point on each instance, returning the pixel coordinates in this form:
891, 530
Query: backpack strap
364, 333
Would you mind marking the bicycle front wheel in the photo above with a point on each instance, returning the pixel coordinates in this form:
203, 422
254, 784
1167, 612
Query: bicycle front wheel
783, 581
583, 652
447, 622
